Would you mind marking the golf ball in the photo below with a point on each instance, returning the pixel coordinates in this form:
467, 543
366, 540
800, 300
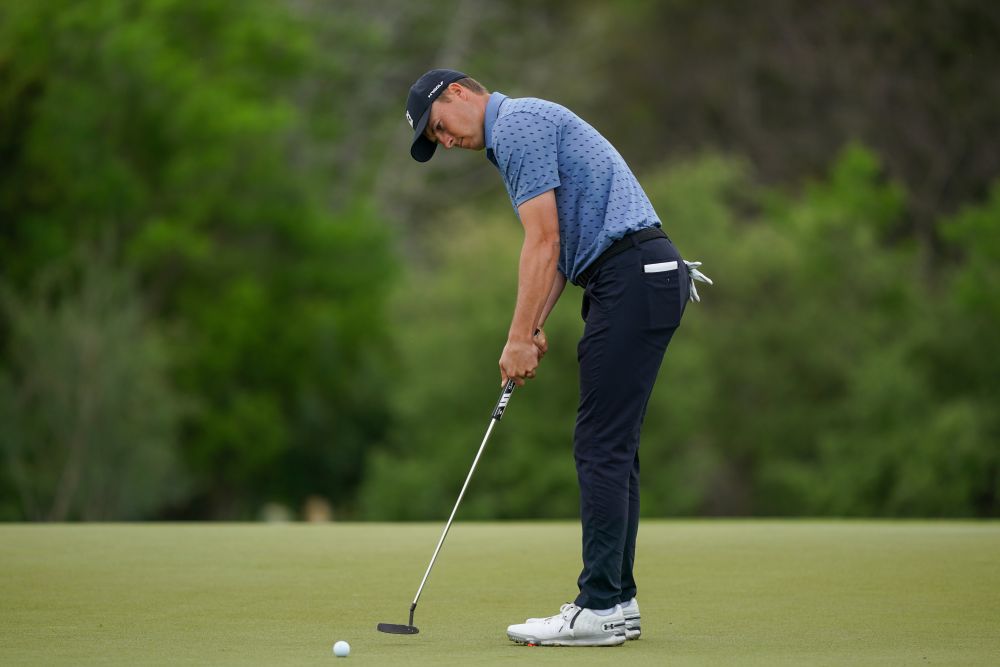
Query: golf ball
341, 649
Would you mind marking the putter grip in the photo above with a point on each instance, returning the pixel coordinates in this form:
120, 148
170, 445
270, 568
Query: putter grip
504, 397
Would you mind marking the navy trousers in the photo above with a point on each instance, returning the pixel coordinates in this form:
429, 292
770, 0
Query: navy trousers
630, 316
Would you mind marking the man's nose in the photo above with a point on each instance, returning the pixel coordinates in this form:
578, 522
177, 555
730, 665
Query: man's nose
449, 141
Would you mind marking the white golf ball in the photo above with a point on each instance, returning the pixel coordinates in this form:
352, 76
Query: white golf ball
341, 649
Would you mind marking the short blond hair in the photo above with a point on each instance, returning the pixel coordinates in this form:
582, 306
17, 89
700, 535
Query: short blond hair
469, 84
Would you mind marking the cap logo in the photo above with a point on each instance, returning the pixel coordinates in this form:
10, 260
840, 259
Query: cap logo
434, 89
409, 118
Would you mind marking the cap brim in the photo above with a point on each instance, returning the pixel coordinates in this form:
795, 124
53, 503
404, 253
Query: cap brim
422, 148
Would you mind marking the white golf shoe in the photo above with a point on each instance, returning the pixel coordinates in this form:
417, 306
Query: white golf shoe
633, 621
572, 626
633, 626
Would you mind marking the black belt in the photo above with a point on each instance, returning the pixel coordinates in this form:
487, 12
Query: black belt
617, 248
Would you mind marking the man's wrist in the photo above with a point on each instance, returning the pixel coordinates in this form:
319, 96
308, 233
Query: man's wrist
519, 337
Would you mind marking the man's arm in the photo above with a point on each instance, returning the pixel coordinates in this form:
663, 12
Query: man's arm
535, 280
558, 284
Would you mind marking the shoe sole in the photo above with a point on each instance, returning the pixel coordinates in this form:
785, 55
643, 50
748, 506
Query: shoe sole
616, 639
632, 628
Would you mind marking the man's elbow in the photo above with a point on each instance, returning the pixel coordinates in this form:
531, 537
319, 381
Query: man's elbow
546, 243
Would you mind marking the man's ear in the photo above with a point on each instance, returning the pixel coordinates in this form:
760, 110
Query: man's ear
457, 90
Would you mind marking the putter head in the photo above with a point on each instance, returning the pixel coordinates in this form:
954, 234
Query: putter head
395, 629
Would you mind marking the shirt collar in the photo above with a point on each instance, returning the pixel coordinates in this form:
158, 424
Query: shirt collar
492, 111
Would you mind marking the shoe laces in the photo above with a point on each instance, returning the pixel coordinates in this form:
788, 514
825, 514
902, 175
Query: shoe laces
566, 612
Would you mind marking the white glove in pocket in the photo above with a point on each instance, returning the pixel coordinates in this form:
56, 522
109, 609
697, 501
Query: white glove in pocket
694, 275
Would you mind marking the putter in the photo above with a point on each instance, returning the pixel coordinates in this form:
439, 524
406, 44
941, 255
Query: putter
410, 629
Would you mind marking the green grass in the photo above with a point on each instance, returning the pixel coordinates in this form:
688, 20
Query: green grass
715, 592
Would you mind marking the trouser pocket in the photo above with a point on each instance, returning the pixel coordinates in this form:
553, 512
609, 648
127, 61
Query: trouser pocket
663, 293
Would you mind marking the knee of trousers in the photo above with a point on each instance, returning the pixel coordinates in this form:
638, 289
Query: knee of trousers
613, 461
604, 479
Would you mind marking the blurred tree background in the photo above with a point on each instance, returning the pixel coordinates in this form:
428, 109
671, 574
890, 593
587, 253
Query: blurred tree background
224, 283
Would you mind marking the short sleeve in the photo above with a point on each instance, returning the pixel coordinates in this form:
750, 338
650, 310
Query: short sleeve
527, 155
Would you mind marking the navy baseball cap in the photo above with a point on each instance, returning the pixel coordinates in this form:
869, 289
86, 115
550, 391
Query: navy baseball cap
418, 108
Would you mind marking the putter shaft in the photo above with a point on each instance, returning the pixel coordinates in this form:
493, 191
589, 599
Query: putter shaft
497, 415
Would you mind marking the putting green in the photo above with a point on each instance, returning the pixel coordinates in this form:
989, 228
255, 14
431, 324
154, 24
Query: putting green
712, 592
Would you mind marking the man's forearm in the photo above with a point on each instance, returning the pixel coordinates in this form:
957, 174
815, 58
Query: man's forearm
558, 284
535, 280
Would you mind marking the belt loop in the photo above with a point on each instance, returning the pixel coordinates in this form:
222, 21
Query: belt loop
635, 242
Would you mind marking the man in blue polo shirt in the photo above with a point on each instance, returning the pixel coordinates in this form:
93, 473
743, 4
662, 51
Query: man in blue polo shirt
586, 220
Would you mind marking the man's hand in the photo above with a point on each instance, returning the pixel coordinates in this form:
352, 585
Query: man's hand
541, 343
518, 361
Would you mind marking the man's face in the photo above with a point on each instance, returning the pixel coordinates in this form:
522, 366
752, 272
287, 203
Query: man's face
457, 120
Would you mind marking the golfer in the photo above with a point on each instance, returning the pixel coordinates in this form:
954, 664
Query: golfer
587, 221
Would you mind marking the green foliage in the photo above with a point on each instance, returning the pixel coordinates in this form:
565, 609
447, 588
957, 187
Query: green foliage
801, 296
814, 393
89, 419
972, 299
248, 161
185, 130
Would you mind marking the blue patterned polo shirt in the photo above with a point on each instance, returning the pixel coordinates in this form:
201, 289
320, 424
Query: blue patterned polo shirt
540, 146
